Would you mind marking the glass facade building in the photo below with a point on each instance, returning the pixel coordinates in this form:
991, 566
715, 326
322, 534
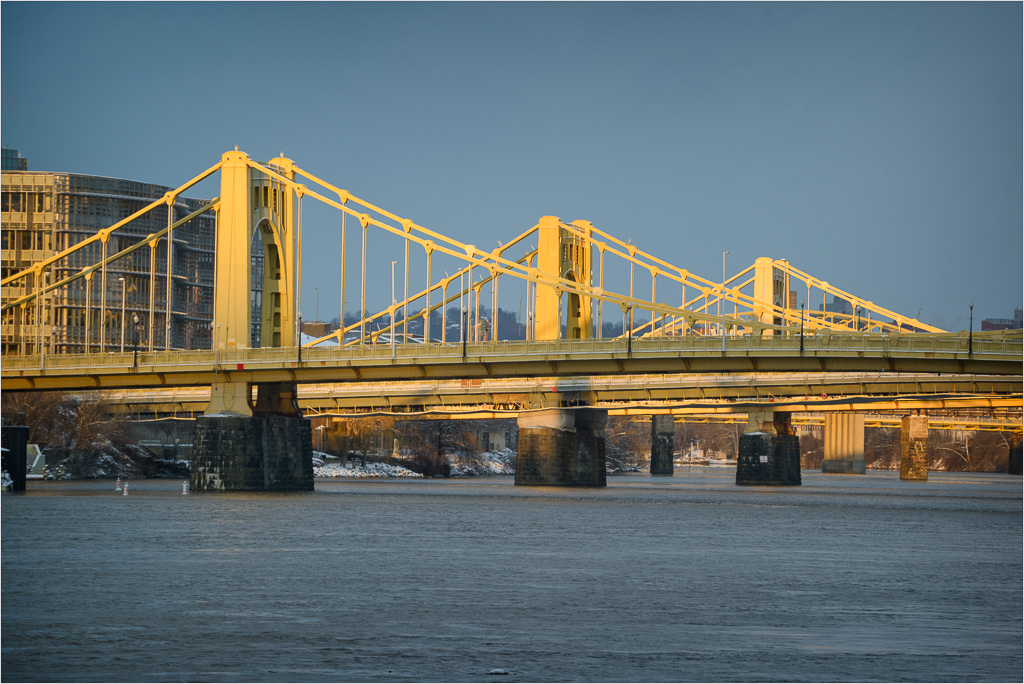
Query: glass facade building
13, 161
45, 213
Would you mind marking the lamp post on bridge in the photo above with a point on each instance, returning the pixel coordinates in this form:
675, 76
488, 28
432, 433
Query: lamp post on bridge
135, 341
801, 327
970, 332
463, 333
721, 296
393, 303
300, 338
519, 318
123, 288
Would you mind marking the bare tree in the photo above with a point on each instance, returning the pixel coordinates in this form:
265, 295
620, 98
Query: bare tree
968, 450
627, 443
882, 448
812, 449
80, 433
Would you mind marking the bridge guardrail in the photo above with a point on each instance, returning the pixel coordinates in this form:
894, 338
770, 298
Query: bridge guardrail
824, 344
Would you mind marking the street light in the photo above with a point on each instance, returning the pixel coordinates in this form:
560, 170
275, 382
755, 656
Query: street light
462, 313
519, 318
300, 338
721, 296
970, 332
320, 440
801, 327
122, 313
135, 340
393, 303
723, 288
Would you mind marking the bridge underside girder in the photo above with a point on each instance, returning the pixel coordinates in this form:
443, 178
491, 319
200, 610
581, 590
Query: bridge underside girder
618, 390
505, 360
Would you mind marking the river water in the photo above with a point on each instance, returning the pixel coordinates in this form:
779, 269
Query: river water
682, 578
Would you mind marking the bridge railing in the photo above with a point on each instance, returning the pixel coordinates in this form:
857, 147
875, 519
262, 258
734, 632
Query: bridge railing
981, 346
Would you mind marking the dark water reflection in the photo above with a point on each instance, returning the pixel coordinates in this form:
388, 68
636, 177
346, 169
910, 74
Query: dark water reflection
684, 578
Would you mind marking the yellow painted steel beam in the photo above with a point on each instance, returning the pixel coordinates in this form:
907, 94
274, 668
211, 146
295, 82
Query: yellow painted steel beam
993, 355
149, 239
105, 232
488, 260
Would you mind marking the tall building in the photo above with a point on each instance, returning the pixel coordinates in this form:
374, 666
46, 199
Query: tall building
44, 213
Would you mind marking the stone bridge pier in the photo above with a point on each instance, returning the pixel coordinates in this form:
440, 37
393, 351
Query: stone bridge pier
562, 447
769, 451
662, 438
914, 448
236, 448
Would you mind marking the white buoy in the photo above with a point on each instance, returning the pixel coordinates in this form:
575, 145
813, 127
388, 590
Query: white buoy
184, 487
125, 489
118, 488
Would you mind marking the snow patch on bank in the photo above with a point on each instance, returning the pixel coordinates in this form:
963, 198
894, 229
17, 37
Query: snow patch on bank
476, 465
368, 470
487, 463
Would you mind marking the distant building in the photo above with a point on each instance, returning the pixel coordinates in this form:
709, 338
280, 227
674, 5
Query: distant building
317, 328
1014, 323
13, 161
839, 306
43, 213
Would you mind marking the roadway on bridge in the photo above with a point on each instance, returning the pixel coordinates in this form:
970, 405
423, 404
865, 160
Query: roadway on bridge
912, 353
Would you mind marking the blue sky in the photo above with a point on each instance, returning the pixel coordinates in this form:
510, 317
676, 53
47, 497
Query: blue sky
875, 145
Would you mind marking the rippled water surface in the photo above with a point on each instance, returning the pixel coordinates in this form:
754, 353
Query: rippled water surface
683, 578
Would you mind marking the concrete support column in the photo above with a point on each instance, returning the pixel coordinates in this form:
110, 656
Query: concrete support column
662, 435
1013, 466
562, 448
844, 443
914, 448
264, 452
15, 454
230, 397
769, 452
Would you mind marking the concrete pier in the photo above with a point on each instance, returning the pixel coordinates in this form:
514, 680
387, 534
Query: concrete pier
562, 448
1013, 466
844, 444
15, 443
263, 452
662, 436
769, 452
914, 448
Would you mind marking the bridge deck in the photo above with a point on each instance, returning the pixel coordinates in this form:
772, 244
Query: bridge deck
913, 353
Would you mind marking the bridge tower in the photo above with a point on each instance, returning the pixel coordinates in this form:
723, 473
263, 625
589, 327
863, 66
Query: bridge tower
770, 285
562, 446
267, 445
563, 252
